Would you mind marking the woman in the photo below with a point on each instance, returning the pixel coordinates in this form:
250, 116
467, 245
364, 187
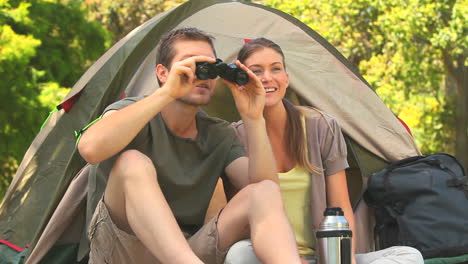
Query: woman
310, 152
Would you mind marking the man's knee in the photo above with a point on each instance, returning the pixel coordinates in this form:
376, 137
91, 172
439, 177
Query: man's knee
265, 191
266, 187
133, 163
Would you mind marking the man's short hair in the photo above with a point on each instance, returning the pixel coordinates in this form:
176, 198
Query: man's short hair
166, 51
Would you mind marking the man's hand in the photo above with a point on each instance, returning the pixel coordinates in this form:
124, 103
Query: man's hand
249, 98
181, 78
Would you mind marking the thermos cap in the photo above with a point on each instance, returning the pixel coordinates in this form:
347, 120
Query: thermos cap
333, 220
330, 211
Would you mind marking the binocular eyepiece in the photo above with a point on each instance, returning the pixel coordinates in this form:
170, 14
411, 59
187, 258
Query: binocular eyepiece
229, 72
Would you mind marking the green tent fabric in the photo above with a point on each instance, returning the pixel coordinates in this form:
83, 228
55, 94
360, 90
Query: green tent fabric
452, 260
11, 254
319, 76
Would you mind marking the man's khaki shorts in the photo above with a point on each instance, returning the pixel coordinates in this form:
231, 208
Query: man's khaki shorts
111, 245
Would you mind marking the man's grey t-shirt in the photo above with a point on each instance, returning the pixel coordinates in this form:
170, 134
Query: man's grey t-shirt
187, 169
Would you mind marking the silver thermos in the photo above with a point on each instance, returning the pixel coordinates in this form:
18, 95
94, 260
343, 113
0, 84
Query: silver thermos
334, 238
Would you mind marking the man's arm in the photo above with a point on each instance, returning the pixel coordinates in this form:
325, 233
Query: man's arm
261, 164
116, 130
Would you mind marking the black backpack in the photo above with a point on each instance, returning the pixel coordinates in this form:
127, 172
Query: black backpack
421, 202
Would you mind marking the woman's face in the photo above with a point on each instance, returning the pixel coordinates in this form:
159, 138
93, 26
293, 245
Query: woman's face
268, 65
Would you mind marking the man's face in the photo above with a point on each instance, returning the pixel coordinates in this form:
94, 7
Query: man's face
201, 93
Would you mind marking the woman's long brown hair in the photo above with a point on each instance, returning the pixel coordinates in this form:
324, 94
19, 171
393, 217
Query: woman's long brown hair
294, 136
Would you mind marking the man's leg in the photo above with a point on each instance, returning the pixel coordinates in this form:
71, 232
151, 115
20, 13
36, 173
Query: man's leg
391, 255
257, 212
137, 205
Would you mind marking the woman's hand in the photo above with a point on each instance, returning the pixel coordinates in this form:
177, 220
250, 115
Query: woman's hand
249, 98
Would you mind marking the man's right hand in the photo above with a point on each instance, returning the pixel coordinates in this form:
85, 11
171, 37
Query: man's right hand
181, 78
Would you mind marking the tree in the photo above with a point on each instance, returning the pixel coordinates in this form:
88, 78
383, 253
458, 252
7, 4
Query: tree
17, 78
44, 47
120, 16
413, 52
70, 43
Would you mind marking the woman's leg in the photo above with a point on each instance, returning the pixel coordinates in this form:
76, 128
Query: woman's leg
242, 253
391, 255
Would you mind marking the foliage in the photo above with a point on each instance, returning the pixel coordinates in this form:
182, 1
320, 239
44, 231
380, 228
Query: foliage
70, 42
122, 16
408, 50
16, 90
44, 47
413, 52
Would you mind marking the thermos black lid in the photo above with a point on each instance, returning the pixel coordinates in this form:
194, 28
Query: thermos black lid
330, 211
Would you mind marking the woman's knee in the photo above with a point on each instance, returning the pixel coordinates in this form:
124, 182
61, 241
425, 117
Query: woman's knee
411, 254
241, 253
396, 254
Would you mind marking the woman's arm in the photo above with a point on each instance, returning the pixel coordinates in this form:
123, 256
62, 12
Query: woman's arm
337, 195
250, 102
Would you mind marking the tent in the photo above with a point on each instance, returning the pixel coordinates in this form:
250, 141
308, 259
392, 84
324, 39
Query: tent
319, 75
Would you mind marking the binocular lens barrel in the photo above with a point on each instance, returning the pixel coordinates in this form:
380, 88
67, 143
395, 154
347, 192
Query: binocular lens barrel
229, 72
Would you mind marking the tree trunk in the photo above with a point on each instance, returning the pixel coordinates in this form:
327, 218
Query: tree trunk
461, 146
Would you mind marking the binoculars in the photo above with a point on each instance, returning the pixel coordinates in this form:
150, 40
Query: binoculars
229, 72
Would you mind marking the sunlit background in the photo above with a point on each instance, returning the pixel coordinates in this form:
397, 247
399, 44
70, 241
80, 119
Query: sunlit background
412, 52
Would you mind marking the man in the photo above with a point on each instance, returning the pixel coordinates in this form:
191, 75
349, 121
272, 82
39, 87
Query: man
168, 158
